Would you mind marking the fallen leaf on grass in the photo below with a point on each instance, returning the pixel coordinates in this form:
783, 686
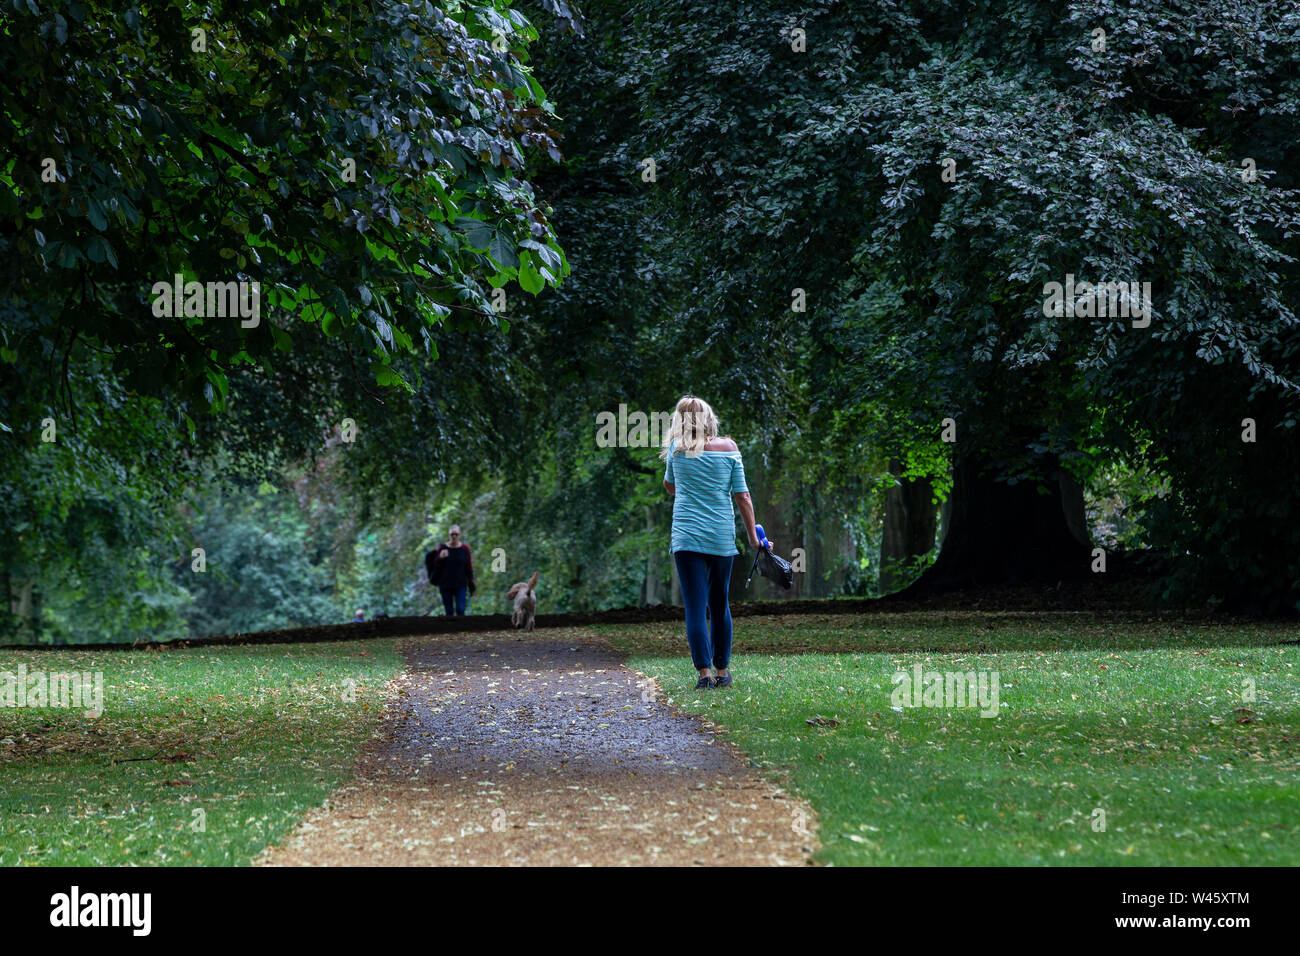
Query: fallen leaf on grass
820, 721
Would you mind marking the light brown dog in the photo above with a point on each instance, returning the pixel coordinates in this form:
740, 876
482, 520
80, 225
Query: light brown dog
525, 599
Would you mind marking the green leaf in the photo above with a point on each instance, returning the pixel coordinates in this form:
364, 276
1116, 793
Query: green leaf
477, 232
95, 212
529, 279
502, 250
218, 379
550, 258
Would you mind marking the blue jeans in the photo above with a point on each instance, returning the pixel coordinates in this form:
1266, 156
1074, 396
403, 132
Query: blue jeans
705, 579
454, 601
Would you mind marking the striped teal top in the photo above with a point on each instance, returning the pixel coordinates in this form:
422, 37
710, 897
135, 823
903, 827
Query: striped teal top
703, 519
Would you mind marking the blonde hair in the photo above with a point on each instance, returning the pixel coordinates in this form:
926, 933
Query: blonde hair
693, 426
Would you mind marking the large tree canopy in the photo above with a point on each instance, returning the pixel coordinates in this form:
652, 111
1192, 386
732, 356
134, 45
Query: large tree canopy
810, 146
839, 223
362, 163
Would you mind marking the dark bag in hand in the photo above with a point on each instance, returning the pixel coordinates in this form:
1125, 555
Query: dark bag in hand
773, 567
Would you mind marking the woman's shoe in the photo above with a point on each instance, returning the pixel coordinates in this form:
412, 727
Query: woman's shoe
723, 681
705, 683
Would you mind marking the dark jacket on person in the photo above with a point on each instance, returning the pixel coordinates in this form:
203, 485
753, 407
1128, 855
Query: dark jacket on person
453, 572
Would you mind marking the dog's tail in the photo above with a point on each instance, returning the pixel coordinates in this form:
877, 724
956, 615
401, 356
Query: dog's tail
521, 586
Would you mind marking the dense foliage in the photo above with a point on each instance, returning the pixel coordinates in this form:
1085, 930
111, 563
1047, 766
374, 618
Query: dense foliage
477, 226
355, 173
1151, 157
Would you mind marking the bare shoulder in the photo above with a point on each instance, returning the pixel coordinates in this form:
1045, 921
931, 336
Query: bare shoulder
721, 444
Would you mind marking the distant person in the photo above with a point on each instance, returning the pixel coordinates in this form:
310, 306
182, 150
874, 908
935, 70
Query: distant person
705, 475
359, 617
451, 568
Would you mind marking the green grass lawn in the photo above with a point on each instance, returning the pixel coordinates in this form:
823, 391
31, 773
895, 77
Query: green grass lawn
250, 736
1145, 721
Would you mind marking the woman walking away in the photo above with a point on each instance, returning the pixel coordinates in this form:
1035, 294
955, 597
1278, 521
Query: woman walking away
704, 474
452, 570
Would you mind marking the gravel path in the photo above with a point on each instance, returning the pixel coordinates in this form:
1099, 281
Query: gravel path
499, 749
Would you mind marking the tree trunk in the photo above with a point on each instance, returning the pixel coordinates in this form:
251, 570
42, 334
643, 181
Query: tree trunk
1076, 515
24, 605
1000, 534
828, 546
911, 520
653, 589
814, 547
